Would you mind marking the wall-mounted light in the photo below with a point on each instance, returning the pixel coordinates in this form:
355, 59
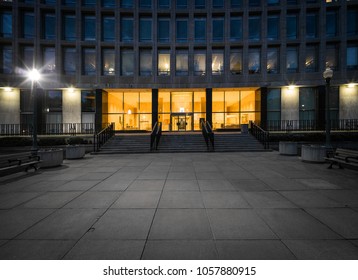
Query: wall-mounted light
291, 87
71, 90
351, 85
7, 89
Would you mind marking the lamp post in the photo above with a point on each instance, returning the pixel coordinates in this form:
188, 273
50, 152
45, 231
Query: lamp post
34, 76
327, 75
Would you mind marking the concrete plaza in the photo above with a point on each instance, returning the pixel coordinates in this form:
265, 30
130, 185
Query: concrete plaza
181, 206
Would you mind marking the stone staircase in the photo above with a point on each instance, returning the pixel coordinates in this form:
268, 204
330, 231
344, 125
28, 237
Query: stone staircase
177, 142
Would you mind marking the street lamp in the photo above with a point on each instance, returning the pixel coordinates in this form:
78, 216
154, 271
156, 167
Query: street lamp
327, 75
34, 76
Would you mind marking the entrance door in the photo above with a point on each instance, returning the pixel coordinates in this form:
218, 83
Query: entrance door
181, 122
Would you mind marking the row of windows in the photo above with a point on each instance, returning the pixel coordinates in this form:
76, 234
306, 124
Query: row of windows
181, 28
184, 64
167, 4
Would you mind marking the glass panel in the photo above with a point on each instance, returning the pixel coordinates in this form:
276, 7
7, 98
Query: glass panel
331, 23
28, 25
217, 64
182, 4
145, 63
164, 102
182, 30
131, 121
291, 31
53, 101
126, 3
181, 65
236, 29
145, 122
332, 52
69, 28
6, 60
69, 62
89, 26
115, 103
69, 2
146, 102
218, 120
126, 29
108, 3
89, 61
163, 30
247, 101
311, 64
127, 63
49, 27
254, 61
352, 57
274, 100
88, 101
218, 101
28, 57
307, 103
218, 29
6, 24
217, 4
200, 29
236, 62
311, 25
232, 101
232, 120
182, 102
273, 27
199, 101
197, 120
292, 59
352, 22
131, 109
145, 30
146, 4
108, 66
49, 60
199, 64
164, 4
254, 28
108, 28
165, 119
273, 60
163, 64
199, 4
236, 3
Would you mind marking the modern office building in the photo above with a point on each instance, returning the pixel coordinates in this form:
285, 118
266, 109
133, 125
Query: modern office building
136, 62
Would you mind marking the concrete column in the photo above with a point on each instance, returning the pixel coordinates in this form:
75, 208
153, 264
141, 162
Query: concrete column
9, 106
71, 106
209, 105
154, 106
348, 102
263, 108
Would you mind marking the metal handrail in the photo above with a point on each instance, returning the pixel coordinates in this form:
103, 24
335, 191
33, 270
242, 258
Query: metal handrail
260, 134
102, 137
155, 136
208, 135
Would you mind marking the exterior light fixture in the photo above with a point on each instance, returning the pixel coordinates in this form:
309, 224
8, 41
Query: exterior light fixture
327, 75
129, 112
291, 87
351, 85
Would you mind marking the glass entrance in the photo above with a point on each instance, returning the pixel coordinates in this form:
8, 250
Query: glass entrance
181, 122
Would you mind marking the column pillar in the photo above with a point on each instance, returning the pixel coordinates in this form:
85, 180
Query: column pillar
209, 105
154, 106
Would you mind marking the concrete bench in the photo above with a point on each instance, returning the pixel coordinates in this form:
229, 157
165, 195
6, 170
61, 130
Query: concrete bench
344, 158
14, 163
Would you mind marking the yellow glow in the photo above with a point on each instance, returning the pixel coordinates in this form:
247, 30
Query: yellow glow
8, 89
351, 85
71, 90
291, 87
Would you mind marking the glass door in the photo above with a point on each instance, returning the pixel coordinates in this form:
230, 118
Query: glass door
181, 122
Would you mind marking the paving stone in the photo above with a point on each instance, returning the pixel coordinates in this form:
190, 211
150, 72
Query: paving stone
147, 185
181, 185
249, 185
113, 184
318, 184
309, 199
221, 199
94, 176
267, 199
182, 175
346, 198
51, 200
181, 199
152, 175
138, 199
11, 200
209, 176
215, 185
76, 186
92, 200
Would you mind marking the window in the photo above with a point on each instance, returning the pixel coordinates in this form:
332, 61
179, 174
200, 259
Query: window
5, 24
69, 28
182, 63
164, 63
108, 62
254, 28
199, 29
108, 3
352, 57
199, 4
89, 62
199, 62
53, 101
273, 27
236, 28
89, 28
163, 30
311, 25
108, 28
236, 61
126, 3
182, 4
49, 2
218, 4
254, 60
273, 64
88, 101
126, 29
292, 59
181, 30
145, 63
352, 22
28, 57
254, 3
49, 26
145, 30
49, 60
236, 3
307, 103
218, 29
311, 62
69, 61
273, 2
6, 59
274, 108
145, 4
163, 4
127, 62
217, 62
292, 27
69, 2
332, 52
28, 25
89, 3
331, 23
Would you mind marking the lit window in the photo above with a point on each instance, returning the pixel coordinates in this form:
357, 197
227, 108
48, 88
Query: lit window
217, 62
181, 63
273, 60
89, 61
164, 63
254, 61
49, 60
236, 61
145, 63
108, 62
127, 62
199, 63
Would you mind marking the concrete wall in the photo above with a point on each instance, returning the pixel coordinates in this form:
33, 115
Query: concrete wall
348, 102
9, 106
289, 103
71, 106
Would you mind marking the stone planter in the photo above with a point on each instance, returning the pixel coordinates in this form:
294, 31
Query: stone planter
288, 148
75, 152
50, 158
313, 153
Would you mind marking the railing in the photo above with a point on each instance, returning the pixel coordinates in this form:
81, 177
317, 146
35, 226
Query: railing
102, 137
155, 136
260, 134
311, 125
47, 129
208, 134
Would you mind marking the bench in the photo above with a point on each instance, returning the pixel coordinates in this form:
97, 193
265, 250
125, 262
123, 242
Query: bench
344, 158
14, 163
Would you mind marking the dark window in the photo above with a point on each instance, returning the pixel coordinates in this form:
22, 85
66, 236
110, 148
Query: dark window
292, 24
49, 2
28, 25
311, 63
89, 3
126, 3
145, 62
69, 2
254, 28
311, 25
145, 30
254, 3
89, 27
236, 3
49, 27
236, 29
236, 61
182, 30
273, 27
352, 22
182, 4
218, 29
200, 29
254, 60
199, 4
332, 56
88, 101
108, 62
69, 28
273, 64
163, 29
53, 101
292, 59
89, 61
108, 3
127, 29
28, 57
108, 28
352, 57
5, 24
218, 4
331, 24
307, 103
69, 61
127, 62
274, 108
26, 102
273, 2
6, 59
49, 60
164, 4
146, 4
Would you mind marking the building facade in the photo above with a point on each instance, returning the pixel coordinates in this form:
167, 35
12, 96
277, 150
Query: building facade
136, 62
